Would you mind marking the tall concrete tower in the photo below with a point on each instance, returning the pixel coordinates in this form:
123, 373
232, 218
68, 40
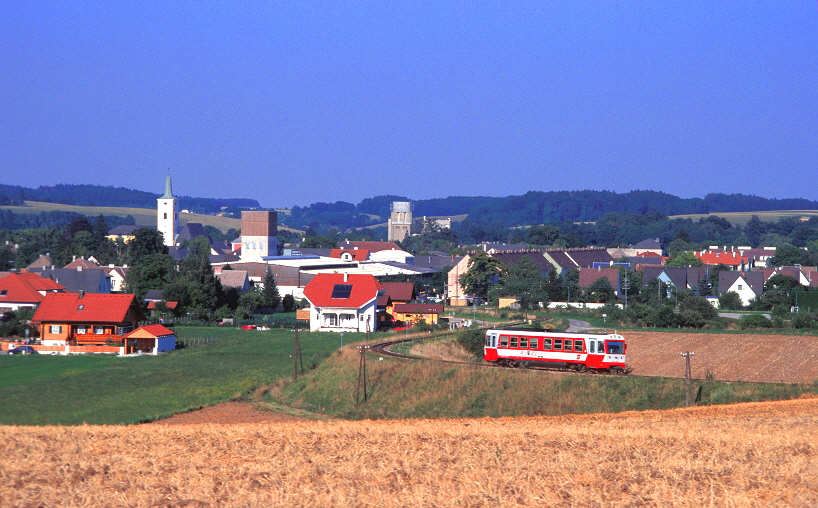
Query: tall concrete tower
400, 222
167, 215
259, 235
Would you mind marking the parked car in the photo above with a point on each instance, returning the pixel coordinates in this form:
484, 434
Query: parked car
23, 350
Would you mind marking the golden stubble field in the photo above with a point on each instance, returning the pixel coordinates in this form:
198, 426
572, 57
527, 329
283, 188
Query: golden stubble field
756, 454
729, 357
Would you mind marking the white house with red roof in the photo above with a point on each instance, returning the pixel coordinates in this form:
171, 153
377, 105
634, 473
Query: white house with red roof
342, 302
25, 290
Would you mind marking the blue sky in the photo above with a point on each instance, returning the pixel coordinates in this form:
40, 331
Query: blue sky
296, 102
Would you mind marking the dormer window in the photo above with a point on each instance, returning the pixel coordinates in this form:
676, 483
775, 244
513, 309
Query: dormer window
4, 292
81, 307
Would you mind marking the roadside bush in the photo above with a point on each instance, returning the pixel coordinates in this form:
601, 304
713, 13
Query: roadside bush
730, 300
698, 304
754, 321
473, 340
802, 321
666, 318
691, 319
614, 312
641, 314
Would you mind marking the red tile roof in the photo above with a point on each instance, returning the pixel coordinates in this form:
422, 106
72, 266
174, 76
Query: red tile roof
357, 254
168, 305
25, 288
399, 291
371, 246
90, 308
152, 330
364, 289
722, 258
588, 276
419, 308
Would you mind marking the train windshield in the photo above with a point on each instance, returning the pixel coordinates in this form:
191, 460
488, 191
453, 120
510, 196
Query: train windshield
615, 347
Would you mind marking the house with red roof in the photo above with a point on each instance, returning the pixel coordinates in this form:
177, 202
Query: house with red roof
86, 319
25, 290
343, 302
414, 313
732, 258
355, 254
587, 277
152, 339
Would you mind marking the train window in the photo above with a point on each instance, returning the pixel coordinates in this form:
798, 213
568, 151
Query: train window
504, 341
514, 342
524, 342
494, 340
616, 348
546, 344
578, 345
592, 346
488, 341
533, 343
557, 344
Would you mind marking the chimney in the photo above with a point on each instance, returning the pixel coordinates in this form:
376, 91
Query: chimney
79, 268
82, 293
346, 276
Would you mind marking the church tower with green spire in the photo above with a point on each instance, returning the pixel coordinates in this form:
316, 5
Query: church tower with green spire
167, 215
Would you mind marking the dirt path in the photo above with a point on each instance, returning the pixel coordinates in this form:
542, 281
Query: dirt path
229, 412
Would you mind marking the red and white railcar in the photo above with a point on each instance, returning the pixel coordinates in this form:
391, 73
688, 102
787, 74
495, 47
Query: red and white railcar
577, 351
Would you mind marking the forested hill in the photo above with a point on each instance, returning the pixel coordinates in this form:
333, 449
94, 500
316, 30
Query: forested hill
98, 195
577, 206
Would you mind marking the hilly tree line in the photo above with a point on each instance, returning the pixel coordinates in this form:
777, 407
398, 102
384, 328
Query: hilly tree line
98, 195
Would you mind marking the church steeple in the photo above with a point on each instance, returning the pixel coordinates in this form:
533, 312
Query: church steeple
168, 188
167, 215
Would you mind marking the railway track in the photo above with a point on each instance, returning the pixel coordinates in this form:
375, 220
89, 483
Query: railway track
385, 349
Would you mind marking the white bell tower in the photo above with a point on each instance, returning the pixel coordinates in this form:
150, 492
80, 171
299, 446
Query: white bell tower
167, 216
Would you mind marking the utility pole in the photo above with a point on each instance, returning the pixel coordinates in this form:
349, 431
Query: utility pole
688, 395
362, 369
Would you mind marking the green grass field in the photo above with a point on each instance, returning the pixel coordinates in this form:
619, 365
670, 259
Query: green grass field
101, 389
430, 389
742, 218
142, 216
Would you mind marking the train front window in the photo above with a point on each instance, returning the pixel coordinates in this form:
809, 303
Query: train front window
615, 348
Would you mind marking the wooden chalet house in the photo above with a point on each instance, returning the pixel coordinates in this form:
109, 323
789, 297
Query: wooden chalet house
79, 319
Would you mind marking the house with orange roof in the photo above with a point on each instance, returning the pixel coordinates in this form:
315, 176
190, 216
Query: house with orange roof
152, 339
734, 259
350, 254
86, 319
25, 290
342, 302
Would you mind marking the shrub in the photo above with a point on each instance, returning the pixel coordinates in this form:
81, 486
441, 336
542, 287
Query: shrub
801, 321
754, 321
666, 318
691, 319
730, 300
473, 340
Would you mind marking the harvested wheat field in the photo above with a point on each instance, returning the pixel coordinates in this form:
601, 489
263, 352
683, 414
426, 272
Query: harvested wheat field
728, 357
755, 454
